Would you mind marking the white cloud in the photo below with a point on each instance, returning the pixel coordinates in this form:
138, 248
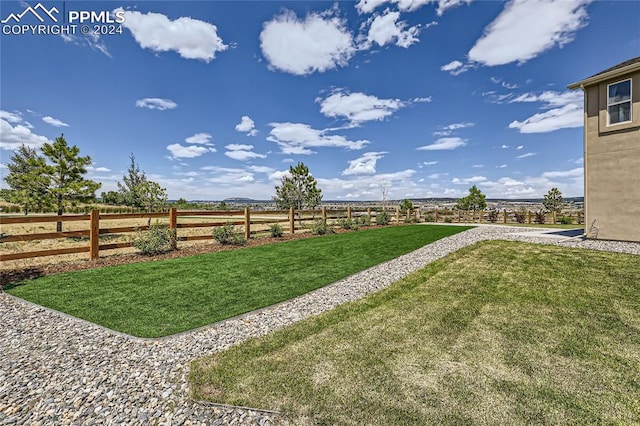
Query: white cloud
430, 163
242, 152
54, 122
318, 43
191, 38
528, 154
466, 181
14, 131
368, 6
261, 169
298, 138
238, 147
501, 166
526, 28
91, 40
243, 155
570, 183
449, 129
247, 126
451, 66
456, 67
566, 112
504, 146
181, 151
156, 103
386, 29
520, 147
358, 107
478, 166
365, 165
367, 186
199, 138
444, 144
11, 117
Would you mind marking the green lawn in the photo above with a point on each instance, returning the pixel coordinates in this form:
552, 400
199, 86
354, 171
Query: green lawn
497, 333
160, 298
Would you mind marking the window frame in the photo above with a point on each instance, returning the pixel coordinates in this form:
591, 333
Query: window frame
629, 101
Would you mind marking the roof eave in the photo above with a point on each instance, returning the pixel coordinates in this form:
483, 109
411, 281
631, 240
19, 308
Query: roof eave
606, 76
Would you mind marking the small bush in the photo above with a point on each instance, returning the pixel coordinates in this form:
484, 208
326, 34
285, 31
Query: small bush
227, 234
365, 220
276, 230
521, 216
345, 223
383, 218
319, 227
448, 219
158, 239
429, 218
566, 220
540, 217
493, 216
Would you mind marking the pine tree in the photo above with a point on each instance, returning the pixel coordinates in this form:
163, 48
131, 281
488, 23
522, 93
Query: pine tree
298, 190
553, 200
65, 170
27, 182
475, 201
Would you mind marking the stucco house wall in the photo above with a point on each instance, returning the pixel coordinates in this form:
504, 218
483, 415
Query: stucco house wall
611, 159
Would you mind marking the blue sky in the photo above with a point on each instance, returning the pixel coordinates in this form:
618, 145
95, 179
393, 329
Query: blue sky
218, 99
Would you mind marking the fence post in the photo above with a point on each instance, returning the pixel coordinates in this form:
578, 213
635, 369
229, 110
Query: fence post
554, 217
459, 215
369, 213
94, 234
324, 214
247, 223
579, 218
505, 215
349, 212
418, 215
292, 223
173, 224
398, 215
529, 214
480, 218
436, 215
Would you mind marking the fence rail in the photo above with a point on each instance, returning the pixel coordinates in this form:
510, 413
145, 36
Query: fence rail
295, 219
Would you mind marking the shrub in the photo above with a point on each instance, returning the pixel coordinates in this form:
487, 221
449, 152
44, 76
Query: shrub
566, 220
276, 230
520, 215
448, 219
493, 216
319, 227
157, 239
345, 223
429, 218
540, 217
383, 218
365, 220
227, 234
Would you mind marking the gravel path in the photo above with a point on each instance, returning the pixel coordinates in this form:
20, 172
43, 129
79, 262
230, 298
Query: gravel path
55, 369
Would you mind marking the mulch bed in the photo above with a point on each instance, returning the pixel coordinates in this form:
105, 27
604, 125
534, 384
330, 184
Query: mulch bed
17, 275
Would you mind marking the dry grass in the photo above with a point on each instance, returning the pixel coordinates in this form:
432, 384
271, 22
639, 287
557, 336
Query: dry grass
58, 243
497, 333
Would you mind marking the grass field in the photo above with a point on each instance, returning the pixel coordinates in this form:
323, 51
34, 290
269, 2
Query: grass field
155, 299
496, 333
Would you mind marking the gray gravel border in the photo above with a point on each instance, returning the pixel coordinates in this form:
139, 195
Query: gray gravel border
56, 369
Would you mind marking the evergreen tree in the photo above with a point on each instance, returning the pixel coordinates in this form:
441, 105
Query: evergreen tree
27, 182
298, 190
64, 171
475, 201
553, 200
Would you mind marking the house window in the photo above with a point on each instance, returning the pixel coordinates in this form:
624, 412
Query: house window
619, 102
